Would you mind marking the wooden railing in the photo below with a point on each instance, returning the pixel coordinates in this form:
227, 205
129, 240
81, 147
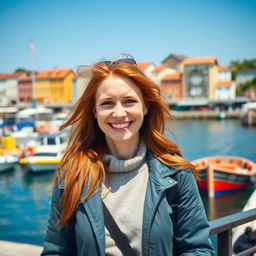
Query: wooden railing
222, 227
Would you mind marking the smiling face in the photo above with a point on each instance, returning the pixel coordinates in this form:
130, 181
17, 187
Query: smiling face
120, 110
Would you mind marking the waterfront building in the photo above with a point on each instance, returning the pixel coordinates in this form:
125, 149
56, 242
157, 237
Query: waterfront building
199, 78
79, 84
225, 90
160, 71
25, 87
174, 61
171, 85
224, 73
147, 68
12, 87
3, 97
54, 86
244, 76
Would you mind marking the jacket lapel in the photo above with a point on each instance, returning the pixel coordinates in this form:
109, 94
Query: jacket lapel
159, 180
94, 210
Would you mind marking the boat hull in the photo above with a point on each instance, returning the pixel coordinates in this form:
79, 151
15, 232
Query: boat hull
4, 167
39, 167
223, 182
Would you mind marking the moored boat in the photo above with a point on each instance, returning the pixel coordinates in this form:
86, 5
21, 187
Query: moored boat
7, 162
47, 155
45, 159
223, 174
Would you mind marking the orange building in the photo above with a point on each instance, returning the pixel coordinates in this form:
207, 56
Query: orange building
171, 85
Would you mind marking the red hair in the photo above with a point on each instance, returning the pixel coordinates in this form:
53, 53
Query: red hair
82, 162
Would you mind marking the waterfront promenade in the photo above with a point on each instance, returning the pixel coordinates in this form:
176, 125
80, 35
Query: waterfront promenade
14, 249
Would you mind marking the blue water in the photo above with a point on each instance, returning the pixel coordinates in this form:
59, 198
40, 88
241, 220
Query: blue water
25, 197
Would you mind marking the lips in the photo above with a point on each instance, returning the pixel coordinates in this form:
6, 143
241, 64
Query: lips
120, 125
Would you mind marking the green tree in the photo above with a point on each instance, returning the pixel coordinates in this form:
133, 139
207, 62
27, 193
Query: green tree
237, 65
17, 70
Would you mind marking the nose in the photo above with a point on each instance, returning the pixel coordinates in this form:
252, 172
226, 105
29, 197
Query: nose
119, 110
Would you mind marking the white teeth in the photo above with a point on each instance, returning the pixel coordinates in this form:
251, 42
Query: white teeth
120, 126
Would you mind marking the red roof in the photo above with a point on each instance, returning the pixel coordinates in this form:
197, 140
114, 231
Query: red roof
143, 65
176, 76
16, 75
4, 76
223, 68
53, 74
224, 83
201, 60
25, 79
160, 68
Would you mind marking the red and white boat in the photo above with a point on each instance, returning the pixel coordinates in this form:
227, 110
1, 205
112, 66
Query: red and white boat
229, 173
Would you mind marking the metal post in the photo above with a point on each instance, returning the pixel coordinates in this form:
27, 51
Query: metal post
225, 243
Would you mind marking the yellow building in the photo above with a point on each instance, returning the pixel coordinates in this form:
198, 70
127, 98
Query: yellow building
54, 86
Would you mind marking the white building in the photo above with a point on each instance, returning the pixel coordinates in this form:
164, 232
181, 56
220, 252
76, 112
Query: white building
12, 87
3, 98
147, 68
224, 73
225, 90
79, 84
161, 71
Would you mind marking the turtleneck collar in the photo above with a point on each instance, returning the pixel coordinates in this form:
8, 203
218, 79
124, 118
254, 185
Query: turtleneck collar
117, 166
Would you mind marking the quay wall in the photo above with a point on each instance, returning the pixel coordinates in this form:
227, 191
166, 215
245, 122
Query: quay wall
205, 114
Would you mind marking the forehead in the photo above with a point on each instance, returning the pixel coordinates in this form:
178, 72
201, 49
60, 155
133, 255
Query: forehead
117, 86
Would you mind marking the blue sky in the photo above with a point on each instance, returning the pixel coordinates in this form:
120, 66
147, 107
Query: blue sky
70, 33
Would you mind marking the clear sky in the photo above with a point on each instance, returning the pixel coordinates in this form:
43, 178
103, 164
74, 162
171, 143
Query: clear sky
69, 33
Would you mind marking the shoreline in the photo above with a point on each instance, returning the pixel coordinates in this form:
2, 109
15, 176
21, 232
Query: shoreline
205, 114
8, 248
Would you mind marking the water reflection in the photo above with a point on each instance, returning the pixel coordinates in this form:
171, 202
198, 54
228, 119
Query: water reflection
224, 205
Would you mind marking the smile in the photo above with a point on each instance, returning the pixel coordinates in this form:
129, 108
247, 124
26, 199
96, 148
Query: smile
120, 125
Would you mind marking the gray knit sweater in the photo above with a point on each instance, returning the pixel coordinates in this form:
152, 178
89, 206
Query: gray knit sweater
125, 200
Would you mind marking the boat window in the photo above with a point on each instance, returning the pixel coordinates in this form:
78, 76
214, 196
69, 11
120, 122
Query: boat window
51, 141
62, 140
45, 154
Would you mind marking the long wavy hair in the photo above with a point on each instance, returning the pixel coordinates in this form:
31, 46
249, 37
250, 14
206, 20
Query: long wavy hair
82, 162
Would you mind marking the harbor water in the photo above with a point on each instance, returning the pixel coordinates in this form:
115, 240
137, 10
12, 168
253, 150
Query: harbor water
25, 197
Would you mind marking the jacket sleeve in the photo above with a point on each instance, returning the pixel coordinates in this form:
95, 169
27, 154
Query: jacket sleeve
192, 228
58, 241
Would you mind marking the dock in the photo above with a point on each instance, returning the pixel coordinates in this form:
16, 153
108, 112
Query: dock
13, 249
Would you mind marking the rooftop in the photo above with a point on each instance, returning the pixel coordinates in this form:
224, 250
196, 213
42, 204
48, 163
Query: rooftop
200, 60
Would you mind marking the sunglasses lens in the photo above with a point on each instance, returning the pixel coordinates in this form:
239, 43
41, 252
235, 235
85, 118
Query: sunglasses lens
126, 60
105, 62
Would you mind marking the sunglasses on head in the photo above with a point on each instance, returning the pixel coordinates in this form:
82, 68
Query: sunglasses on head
120, 61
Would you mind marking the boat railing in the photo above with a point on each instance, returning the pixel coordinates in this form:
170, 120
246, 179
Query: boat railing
222, 227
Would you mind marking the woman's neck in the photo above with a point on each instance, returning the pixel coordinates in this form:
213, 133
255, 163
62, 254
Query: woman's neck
124, 149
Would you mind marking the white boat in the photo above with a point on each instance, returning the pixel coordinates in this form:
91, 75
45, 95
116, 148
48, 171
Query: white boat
45, 159
7, 162
47, 155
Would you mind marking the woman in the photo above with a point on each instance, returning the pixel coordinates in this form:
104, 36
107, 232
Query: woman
119, 173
